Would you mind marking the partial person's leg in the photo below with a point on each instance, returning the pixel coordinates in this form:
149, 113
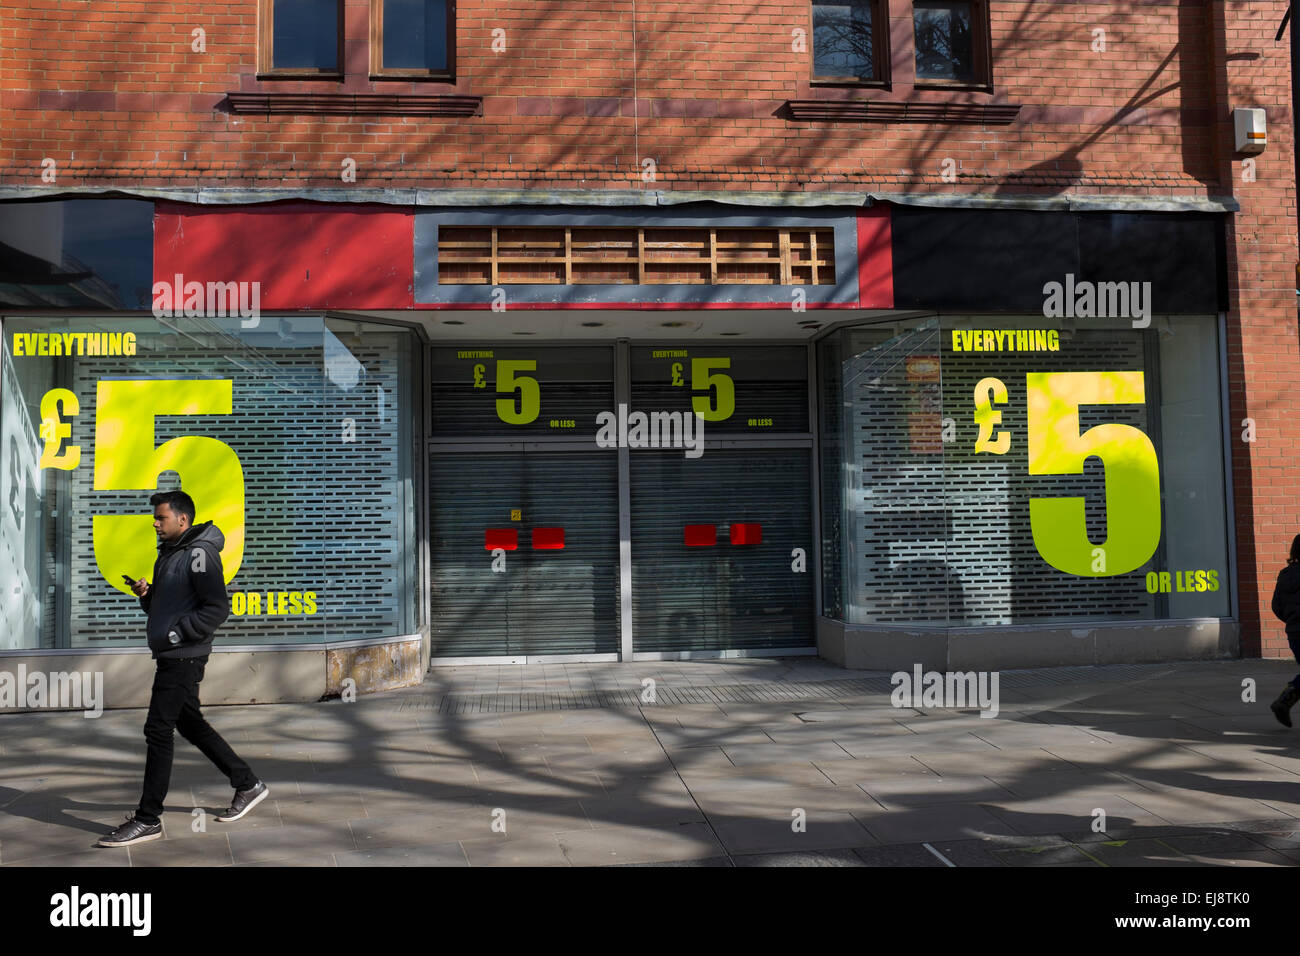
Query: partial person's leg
166, 702
200, 733
1291, 695
1295, 652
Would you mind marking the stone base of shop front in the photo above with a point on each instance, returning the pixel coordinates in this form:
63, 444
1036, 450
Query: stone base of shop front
234, 675
861, 647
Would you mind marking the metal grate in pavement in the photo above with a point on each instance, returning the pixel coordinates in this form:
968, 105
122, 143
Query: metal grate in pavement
668, 694
664, 696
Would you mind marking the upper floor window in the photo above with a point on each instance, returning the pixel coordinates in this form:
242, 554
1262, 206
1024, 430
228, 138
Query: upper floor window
951, 42
300, 37
849, 41
411, 38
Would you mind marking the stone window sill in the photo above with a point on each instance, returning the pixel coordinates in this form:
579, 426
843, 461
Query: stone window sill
892, 111
356, 104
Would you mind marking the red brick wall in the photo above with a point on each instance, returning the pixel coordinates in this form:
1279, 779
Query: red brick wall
1263, 341
117, 86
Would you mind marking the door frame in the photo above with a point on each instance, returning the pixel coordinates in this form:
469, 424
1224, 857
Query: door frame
622, 347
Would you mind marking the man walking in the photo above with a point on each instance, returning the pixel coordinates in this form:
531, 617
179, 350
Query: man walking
186, 603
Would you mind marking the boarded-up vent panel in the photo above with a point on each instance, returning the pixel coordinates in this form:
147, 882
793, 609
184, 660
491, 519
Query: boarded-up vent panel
501, 255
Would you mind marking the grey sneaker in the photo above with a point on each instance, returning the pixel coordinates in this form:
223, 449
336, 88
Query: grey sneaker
1282, 706
131, 832
244, 801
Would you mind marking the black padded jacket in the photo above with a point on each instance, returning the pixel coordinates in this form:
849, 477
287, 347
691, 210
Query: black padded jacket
1286, 599
187, 593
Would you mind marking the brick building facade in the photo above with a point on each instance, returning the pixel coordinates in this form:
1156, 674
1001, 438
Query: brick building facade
608, 163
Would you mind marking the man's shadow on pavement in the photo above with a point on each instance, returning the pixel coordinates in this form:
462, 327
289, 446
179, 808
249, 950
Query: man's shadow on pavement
58, 810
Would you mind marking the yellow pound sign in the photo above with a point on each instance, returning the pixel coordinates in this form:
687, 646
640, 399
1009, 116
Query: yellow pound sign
478, 377
677, 374
54, 429
990, 392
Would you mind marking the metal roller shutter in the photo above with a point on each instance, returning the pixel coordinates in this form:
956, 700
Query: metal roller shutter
938, 534
547, 600
724, 596
322, 515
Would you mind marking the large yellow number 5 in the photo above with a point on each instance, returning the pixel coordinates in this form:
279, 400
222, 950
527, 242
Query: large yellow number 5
1132, 473
530, 393
126, 460
703, 376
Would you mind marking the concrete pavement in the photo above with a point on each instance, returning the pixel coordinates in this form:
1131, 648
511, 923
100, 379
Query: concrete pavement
746, 762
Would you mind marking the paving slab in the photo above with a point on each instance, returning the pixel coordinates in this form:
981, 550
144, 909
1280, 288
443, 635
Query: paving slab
410, 802
772, 753
252, 846
821, 830
1191, 807
97, 857
542, 850
851, 770
901, 793
210, 850
664, 786
445, 854
1072, 814
613, 845
420, 829
1035, 786
994, 763
320, 806
949, 822
651, 810
765, 775
919, 745
823, 733
45, 839
779, 801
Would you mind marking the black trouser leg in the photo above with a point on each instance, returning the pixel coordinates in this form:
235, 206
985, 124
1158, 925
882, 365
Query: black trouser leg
173, 683
199, 732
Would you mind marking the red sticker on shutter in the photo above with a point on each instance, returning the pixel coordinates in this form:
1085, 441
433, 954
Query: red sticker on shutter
701, 535
505, 538
746, 534
548, 539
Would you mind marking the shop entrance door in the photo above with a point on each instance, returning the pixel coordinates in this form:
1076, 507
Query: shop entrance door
530, 517
524, 533
722, 544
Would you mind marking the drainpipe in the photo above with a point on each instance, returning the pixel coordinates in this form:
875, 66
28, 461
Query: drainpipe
1295, 98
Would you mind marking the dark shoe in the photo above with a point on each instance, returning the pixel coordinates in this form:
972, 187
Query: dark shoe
1282, 706
244, 801
131, 832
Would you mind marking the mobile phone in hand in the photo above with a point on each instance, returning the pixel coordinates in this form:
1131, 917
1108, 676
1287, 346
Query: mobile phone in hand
127, 579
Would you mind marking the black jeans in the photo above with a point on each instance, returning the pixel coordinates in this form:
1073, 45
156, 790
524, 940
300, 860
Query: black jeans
174, 705
1294, 641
